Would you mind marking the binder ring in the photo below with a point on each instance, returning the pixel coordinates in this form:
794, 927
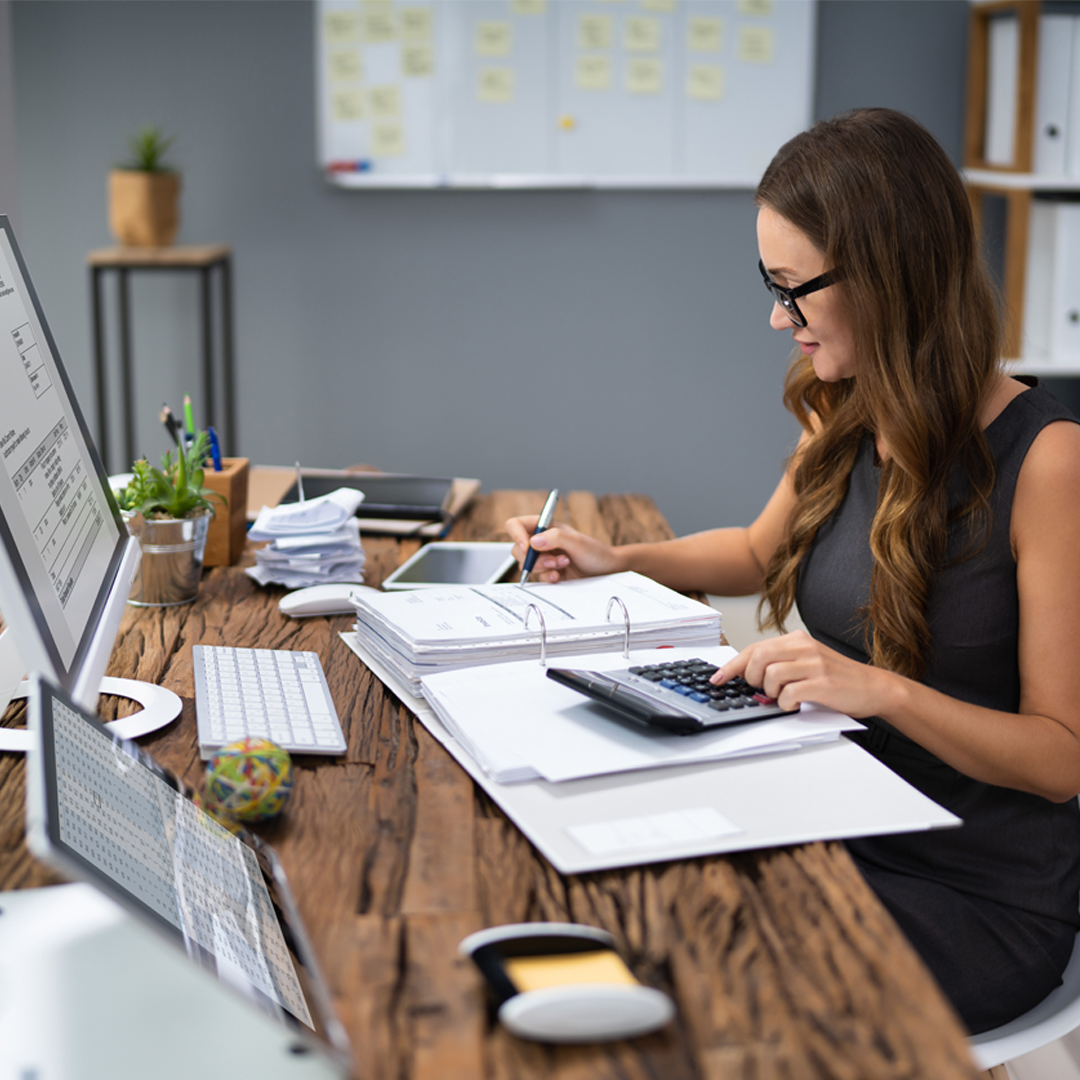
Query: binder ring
626, 625
543, 631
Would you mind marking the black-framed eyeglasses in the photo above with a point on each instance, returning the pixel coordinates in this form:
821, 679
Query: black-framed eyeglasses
786, 297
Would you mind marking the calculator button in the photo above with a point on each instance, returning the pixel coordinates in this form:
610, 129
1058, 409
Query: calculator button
764, 699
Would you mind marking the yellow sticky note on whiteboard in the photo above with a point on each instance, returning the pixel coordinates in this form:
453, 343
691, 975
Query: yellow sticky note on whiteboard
347, 104
761, 8
385, 102
644, 76
658, 5
493, 38
592, 73
705, 82
495, 85
415, 23
756, 44
417, 60
594, 32
378, 24
340, 26
343, 65
705, 35
642, 34
528, 7
387, 140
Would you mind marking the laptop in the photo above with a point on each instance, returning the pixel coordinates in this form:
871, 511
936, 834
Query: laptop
100, 810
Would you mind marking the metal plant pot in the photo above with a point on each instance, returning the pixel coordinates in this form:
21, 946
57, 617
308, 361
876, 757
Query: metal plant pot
172, 559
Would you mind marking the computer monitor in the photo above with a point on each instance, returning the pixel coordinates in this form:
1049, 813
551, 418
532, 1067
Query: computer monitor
66, 559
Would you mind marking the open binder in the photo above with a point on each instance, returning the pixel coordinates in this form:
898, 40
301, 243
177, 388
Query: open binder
450, 627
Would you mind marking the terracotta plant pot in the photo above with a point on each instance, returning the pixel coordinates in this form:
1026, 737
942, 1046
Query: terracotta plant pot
144, 207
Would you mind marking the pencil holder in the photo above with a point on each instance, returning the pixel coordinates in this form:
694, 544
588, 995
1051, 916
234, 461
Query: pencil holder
228, 530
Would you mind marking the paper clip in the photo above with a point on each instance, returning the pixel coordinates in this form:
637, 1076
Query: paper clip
626, 625
543, 631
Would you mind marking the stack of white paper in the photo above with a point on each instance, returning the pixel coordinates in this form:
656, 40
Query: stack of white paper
441, 629
316, 542
520, 725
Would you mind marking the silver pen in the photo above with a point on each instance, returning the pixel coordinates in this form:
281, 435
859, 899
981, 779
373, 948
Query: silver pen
299, 484
546, 516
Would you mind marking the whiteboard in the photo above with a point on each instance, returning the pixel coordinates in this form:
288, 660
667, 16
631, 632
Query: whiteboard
568, 93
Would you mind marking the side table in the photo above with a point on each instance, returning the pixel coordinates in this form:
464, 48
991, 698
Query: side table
201, 258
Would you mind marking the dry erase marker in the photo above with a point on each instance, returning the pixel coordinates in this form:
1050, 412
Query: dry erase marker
546, 516
348, 166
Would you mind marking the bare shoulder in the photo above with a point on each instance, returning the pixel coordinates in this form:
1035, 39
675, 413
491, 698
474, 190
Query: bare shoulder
1048, 487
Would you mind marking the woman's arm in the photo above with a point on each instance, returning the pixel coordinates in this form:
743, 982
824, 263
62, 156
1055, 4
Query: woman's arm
727, 562
1036, 750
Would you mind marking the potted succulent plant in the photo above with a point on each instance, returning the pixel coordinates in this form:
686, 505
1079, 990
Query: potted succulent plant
144, 194
169, 511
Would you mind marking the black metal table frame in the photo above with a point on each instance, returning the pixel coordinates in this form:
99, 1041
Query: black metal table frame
224, 265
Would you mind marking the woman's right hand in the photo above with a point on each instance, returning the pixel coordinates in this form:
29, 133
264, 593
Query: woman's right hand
562, 552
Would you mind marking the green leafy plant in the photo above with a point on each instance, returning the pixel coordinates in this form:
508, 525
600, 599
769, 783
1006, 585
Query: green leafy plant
175, 490
148, 148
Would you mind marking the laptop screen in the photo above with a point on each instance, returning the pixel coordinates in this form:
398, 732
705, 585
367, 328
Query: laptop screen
103, 811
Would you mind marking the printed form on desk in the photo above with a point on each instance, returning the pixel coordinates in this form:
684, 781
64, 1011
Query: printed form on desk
520, 725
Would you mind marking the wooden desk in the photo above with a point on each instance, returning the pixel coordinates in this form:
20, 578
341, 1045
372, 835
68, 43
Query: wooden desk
782, 962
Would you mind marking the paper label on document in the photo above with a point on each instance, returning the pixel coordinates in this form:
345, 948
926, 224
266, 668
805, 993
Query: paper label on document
652, 830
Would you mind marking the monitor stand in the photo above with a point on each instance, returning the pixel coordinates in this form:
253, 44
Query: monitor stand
160, 706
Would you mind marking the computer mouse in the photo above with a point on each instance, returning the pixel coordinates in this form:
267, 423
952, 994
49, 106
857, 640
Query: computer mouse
322, 600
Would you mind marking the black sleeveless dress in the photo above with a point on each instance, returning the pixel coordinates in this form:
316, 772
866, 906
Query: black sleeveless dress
991, 906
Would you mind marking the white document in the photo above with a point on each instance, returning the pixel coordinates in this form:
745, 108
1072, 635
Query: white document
424, 631
521, 725
324, 514
826, 791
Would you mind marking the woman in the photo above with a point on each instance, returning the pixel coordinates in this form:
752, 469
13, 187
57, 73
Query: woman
927, 527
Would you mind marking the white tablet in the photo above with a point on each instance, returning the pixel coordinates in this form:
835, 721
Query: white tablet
453, 563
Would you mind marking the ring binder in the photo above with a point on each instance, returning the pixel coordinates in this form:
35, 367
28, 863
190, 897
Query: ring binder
543, 631
626, 624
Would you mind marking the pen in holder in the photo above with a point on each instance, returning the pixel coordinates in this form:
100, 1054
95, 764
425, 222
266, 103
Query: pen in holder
543, 631
626, 624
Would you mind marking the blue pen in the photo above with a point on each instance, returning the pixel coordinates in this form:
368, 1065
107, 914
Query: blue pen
215, 449
546, 516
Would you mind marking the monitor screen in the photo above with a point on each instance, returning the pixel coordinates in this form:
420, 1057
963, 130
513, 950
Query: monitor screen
62, 535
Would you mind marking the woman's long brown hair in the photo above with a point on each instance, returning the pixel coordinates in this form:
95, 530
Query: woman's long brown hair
878, 196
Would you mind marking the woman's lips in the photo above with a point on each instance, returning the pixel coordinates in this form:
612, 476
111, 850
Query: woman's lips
808, 347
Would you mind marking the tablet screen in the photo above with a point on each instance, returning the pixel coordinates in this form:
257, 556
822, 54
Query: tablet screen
116, 819
453, 564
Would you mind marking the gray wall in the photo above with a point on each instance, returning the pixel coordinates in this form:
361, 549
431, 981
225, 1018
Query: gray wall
610, 341
8, 182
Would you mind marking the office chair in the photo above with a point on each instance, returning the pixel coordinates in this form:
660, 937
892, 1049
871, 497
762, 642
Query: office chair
1056, 1015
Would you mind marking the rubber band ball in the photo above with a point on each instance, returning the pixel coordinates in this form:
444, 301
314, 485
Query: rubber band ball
250, 779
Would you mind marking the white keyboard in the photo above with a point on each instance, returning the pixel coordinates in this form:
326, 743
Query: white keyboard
271, 694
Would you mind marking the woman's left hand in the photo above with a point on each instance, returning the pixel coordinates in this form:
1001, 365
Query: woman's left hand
795, 668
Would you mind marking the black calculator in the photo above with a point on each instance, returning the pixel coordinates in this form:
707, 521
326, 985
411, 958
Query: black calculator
676, 696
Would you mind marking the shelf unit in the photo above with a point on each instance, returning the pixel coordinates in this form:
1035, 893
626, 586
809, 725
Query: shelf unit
1015, 182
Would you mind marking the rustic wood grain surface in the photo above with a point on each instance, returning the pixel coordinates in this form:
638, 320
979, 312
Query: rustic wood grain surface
782, 962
